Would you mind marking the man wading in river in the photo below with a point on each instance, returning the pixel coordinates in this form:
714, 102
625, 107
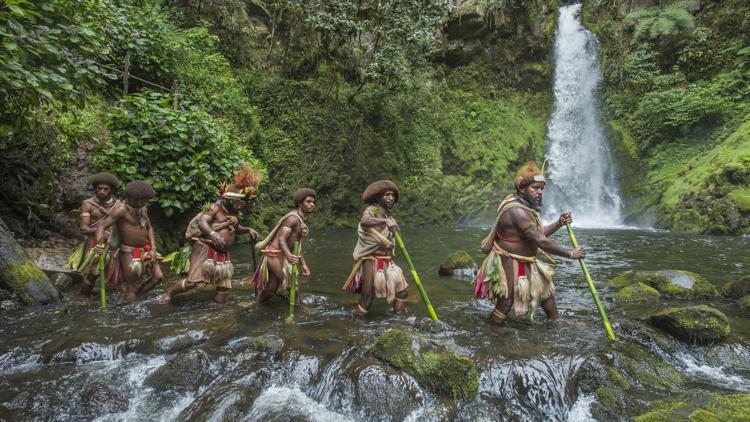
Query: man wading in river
374, 273
93, 211
213, 233
273, 274
137, 255
511, 272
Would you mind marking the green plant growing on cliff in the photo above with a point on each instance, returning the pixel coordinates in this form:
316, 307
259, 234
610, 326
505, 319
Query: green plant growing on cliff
668, 27
184, 154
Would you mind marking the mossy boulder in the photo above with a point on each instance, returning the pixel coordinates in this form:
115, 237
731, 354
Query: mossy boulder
460, 263
20, 274
737, 288
744, 303
441, 371
636, 292
626, 371
719, 408
673, 283
695, 324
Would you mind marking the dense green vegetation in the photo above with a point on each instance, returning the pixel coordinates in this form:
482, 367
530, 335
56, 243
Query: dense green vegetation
331, 94
677, 93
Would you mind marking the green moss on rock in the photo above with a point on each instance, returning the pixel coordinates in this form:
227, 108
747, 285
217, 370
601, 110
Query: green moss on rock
664, 412
675, 283
737, 288
442, 372
457, 261
733, 407
636, 292
744, 303
695, 324
642, 367
22, 273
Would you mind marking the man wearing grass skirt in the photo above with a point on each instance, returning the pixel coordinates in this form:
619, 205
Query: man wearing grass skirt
375, 274
512, 274
213, 233
93, 211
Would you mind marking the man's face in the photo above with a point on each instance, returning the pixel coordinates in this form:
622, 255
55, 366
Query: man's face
138, 203
103, 192
308, 205
236, 205
388, 199
533, 194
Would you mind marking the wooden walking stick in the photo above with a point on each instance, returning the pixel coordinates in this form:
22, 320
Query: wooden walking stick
293, 292
415, 276
102, 284
592, 288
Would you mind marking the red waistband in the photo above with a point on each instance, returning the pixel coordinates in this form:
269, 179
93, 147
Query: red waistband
501, 237
218, 256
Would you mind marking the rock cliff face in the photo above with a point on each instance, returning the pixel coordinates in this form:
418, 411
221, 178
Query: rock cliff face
512, 40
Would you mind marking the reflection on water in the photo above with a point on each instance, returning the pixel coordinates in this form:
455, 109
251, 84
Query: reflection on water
135, 362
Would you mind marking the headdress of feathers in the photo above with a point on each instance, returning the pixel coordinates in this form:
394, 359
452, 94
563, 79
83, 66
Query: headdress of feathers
528, 174
245, 185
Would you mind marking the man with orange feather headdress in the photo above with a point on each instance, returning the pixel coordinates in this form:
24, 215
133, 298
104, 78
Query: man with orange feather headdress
213, 233
511, 273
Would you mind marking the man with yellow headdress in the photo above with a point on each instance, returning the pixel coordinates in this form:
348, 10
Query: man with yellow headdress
511, 273
213, 234
375, 274
273, 274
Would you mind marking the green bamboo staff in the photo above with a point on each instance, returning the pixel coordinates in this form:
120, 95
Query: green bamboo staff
415, 276
102, 287
592, 288
293, 291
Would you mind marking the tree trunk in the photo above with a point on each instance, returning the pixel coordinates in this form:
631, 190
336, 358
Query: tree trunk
20, 274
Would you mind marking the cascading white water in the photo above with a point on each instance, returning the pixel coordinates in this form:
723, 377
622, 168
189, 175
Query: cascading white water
581, 177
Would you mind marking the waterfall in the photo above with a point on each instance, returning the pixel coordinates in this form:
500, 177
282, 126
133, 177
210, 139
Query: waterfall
580, 173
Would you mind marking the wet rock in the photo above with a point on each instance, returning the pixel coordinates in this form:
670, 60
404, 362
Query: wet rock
648, 337
737, 288
227, 403
250, 348
442, 372
744, 303
458, 264
695, 324
79, 350
180, 342
380, 391
636, 292
61, 281
100, 398
186, 371
618, 376
730, 407
674, 283
20, 274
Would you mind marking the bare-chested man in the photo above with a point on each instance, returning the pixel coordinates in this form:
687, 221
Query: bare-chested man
93, 211
274, 271
213, 233
137, 251
511, 272
374, 273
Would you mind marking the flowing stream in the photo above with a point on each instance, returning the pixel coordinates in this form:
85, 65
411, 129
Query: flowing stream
581, 176
195, 360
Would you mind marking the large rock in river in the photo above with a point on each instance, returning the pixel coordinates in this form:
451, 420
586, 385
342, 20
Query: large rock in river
744, 303
459, 264
636, 292
694, 324
441, 371
737, 288
675, 283
20, 274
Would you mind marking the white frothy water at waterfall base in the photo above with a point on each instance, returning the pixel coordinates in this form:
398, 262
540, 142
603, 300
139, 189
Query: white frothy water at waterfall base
581, 177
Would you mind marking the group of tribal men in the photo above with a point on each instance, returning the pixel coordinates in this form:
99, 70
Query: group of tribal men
121, 230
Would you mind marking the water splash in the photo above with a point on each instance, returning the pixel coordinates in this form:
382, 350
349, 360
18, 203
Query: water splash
580, 170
